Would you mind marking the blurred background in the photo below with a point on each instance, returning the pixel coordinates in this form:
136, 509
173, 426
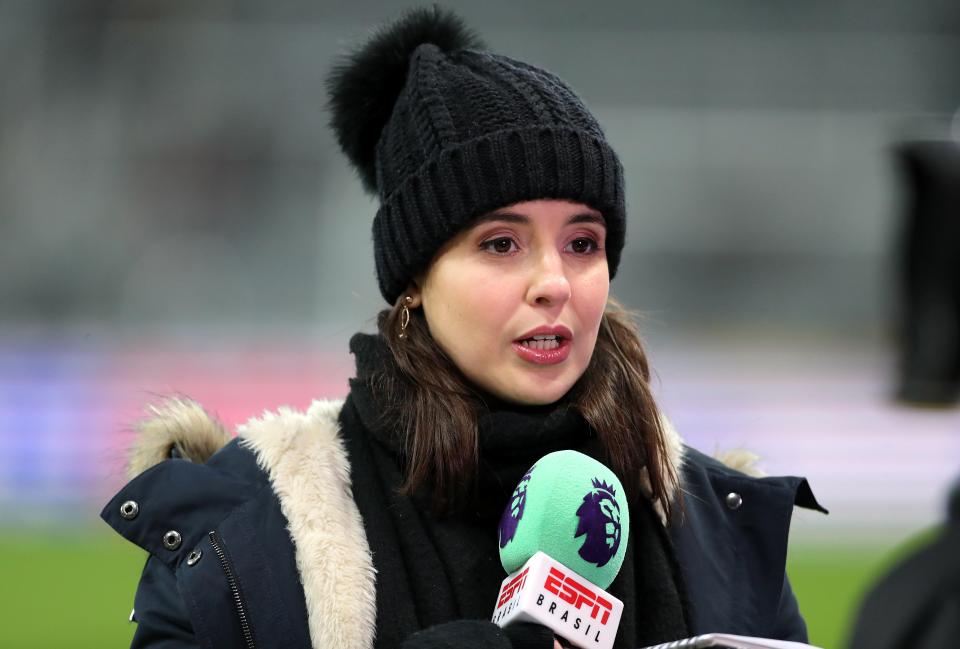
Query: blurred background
175, 218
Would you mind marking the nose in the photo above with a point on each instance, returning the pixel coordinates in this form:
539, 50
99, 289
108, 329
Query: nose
549, 285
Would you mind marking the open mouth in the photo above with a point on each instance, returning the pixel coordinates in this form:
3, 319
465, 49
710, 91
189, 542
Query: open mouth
542, 342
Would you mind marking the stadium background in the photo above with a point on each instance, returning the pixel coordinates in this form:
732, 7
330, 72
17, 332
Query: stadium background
176, 219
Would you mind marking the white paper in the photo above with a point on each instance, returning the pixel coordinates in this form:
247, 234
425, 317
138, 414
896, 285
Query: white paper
734, 641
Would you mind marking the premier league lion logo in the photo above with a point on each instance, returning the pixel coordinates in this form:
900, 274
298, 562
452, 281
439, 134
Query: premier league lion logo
514, 510
600, 521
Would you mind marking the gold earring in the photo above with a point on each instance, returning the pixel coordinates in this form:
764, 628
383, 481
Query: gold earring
405, 317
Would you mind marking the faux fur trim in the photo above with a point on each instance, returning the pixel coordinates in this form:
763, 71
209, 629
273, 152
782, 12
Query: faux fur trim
741, 460
309, 470
738, 459
179, 423
670, 469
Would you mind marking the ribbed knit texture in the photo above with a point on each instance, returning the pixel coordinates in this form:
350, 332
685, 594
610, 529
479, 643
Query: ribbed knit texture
472, 132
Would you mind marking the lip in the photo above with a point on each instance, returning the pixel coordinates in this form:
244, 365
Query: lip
555, 330
545, 356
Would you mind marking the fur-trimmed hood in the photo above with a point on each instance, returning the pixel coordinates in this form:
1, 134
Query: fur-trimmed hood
177, 427
303, 456
180, 427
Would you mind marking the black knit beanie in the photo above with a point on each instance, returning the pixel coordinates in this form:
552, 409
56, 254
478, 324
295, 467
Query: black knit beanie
444, 131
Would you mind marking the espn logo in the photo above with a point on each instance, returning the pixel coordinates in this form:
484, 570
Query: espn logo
575, 593
544, 591
511, 588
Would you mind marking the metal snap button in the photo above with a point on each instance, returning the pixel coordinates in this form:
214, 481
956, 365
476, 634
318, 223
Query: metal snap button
129, 510
172, 540
193, 557
733, 500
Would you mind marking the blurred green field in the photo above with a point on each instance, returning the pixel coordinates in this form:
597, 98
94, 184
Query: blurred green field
829, 583
77, 590
67, 590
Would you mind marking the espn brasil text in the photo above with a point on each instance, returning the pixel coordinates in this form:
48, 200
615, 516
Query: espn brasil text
546, 592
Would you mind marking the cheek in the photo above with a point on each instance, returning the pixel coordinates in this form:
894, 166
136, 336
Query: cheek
466, 309
473, 312
484, 305
591, 296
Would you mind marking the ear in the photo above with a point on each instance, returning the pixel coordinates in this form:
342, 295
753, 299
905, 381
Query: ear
414, 293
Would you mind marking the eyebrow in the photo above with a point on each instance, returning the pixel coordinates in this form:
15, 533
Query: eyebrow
513, 217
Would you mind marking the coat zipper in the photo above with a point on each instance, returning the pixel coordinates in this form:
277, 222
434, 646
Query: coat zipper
234, 589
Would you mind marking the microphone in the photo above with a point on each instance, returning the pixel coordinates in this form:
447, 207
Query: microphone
563, 538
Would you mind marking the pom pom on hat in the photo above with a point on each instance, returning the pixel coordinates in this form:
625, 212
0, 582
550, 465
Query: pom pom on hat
365, 85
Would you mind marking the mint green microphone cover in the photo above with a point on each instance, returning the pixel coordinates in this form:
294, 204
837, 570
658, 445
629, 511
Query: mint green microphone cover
572, 508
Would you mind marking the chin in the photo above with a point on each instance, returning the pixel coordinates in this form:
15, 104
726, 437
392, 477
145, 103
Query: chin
539, 395
531, 400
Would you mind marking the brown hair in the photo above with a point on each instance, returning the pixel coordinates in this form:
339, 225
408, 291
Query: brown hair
437, 408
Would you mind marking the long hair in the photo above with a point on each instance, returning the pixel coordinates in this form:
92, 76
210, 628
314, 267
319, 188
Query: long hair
437, 409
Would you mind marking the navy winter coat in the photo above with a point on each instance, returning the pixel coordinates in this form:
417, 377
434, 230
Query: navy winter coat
223, 569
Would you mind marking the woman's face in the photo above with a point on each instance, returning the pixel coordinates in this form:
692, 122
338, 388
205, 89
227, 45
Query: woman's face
516, 299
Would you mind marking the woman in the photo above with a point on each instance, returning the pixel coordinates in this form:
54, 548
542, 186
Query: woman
372, 522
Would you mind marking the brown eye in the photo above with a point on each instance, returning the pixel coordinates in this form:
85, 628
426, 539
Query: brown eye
500, 245
583, 245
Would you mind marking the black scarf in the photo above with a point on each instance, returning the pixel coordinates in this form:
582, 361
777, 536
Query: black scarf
433, 569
